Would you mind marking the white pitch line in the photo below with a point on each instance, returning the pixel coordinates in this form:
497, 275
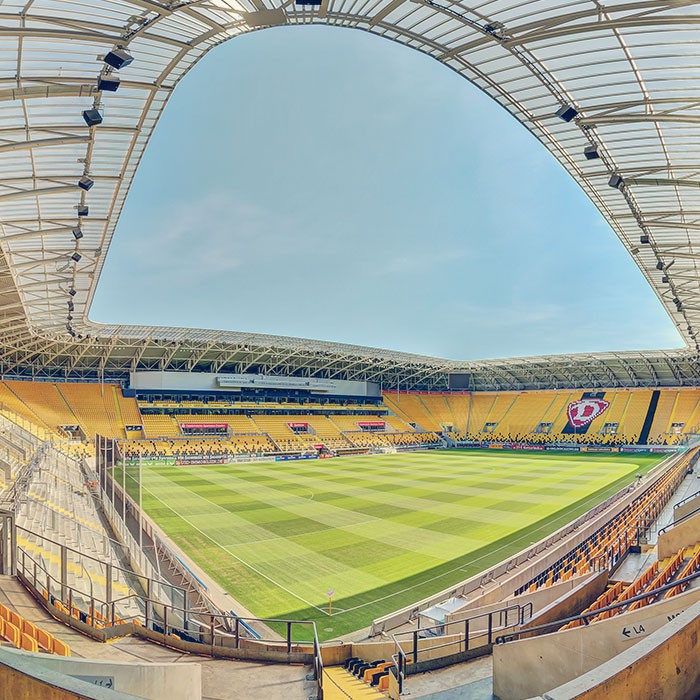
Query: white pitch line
231, 554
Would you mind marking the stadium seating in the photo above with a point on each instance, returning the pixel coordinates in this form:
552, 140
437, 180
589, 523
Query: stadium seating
23, 634
604, 548
517, 416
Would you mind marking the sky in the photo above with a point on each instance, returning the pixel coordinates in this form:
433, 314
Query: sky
326, 183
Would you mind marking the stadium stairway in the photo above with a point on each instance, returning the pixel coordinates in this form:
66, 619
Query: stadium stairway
340, 684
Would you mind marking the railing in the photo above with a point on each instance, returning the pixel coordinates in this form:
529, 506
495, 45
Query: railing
686, 499
460, 634
670, 526
216, 635
153, 588
584, 617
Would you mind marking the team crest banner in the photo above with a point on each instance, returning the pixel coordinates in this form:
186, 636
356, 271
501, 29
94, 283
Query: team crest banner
584, 411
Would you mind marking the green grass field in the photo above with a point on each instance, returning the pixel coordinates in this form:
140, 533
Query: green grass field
383, 531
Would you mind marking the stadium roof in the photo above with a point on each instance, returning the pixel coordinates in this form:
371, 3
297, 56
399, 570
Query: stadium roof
628, 70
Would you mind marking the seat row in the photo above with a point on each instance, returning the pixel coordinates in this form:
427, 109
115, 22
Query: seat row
24, 634
604, 548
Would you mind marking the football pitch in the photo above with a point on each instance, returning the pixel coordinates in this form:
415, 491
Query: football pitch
382, 531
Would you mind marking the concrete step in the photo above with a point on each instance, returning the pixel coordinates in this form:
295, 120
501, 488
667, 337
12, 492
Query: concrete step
339, 684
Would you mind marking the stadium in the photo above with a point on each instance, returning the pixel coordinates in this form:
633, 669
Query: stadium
190, 513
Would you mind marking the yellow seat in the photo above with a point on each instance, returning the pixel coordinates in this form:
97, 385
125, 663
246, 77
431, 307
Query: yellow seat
28, 643
11, 634
60, 648
16, 619
45, 639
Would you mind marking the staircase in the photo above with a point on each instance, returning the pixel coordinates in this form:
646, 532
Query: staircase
340, 684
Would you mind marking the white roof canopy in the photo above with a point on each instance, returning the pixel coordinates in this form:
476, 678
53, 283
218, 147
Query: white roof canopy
630, 69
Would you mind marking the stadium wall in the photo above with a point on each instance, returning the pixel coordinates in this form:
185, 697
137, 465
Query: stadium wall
663, 666
530, 667
154, 681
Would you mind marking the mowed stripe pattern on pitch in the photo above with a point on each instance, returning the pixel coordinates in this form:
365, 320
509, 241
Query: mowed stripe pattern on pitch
279, 535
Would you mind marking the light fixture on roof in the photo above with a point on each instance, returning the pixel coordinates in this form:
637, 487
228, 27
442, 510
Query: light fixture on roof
566, 113
615, 181
77, 256
83, 210
591, 152
92, 117
77, 233
72, 292
664, 280
118, 59
71, 305
85, 183
108, 83
644, 239
659, 265
70, 317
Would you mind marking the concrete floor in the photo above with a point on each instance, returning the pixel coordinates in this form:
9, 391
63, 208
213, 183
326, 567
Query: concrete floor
221, 679
467, 681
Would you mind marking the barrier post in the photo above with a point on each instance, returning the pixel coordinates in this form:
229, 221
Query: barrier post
64, 572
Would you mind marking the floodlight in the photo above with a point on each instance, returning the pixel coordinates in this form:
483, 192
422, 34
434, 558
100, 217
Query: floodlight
77, 233
85, 183
72, 292
644, 239
77, 256
591, 152
615, 181
83, 210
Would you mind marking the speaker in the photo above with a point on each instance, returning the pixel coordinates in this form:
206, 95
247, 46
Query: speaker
92, 117
118, 58
591, 152
83, 210
615, 181
644, 239
566, 113
108, 83
85, 183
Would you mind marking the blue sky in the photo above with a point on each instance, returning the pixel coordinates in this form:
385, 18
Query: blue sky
325, 183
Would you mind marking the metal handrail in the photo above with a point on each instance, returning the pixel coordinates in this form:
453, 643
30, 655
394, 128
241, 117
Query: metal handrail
686, 499
115, 567
513, 636
501, 616
173, 608
670, 526
36, 576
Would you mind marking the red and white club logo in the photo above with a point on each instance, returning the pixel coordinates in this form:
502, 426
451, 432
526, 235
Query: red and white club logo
582, 412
